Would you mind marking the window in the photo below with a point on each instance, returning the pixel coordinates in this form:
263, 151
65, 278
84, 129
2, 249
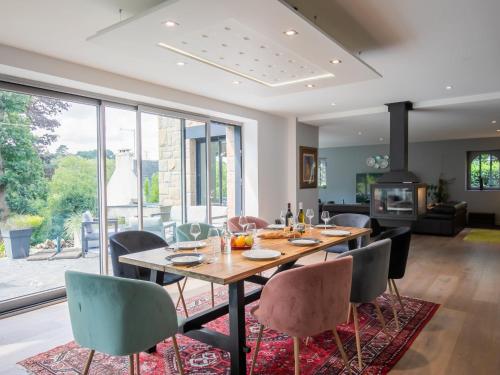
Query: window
322, 173
63, 156
483, 170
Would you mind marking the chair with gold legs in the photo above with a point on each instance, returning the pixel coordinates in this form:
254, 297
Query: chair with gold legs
119, 316
369, 280
291, 298
400, 248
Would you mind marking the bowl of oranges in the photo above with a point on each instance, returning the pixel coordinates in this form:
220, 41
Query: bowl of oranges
241, 241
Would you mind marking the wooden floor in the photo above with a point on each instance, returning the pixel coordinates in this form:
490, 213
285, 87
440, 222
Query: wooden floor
462, 338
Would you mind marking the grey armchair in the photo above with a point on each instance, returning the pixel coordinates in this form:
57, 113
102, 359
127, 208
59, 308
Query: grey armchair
349, 220
90, 231
369, 280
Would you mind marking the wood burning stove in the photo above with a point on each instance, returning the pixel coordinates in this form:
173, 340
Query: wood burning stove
398, 197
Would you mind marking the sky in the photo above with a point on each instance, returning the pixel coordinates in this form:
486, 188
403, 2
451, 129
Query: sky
78, 130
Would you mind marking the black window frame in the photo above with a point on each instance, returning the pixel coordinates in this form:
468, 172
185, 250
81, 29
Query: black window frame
471, 155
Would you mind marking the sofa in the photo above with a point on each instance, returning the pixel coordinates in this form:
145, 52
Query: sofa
443, 219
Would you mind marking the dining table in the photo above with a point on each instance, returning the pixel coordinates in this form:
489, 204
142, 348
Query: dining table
234, 270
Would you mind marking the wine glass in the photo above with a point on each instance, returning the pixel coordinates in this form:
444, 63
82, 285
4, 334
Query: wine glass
325, 216
195, 231
215, 243
291, 221
283, 217
310, 215
251, 229
243, 222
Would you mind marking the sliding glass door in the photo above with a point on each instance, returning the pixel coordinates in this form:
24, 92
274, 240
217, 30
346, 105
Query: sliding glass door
75, 170
225, 172
48, 194
161, 174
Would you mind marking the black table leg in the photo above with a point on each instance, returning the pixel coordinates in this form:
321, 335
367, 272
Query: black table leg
155, 277
237, 328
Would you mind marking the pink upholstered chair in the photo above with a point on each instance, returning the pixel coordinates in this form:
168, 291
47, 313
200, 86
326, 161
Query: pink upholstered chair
306, 301
234, 226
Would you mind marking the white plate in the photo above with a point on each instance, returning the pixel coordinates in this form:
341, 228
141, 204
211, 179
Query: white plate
185, 259
189, 245
335, 233
322, 226
261, 254
275, 226
303, 241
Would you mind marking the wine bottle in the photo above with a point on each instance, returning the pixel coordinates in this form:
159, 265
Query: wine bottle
289, 215
301, 218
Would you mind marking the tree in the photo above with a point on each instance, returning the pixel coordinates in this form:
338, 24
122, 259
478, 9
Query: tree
27, 129
152, 189
72, 190
22, 182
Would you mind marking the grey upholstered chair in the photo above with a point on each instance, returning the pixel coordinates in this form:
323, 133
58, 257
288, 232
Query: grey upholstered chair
369, 280
133, 241
349, 220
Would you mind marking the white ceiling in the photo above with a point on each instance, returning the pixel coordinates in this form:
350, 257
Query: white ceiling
418, 47
432, 123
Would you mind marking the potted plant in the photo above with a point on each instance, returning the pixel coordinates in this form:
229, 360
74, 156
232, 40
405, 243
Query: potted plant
16, 234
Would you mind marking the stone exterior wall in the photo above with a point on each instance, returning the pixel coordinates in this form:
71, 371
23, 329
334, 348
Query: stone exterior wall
169, 165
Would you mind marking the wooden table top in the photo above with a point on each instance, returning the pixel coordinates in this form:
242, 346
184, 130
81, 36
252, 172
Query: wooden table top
229, 268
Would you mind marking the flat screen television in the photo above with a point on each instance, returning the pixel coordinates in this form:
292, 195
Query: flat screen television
363, 182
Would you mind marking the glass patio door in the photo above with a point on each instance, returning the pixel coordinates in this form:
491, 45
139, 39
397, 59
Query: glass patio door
225, 172
161, 173
48, 193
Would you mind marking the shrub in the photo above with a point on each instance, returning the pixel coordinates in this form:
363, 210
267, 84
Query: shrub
23, 222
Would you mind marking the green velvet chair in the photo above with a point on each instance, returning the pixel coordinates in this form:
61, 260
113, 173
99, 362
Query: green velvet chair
182, 234
119, 316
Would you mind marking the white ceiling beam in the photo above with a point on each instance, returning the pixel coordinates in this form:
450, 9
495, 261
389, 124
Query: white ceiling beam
319, 119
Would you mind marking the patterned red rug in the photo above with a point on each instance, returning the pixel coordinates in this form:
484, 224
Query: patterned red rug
320, 356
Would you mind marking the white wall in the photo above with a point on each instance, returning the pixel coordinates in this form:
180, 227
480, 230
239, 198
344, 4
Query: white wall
308, 136
265, 135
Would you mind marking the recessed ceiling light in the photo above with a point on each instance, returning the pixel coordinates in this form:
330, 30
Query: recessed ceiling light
448, 87
335, 61
381, 139
246, 38
241, 53
263, 47
498, 130
290, 32
277, 54
171, 24
224, 45
360, 133
227, 28
180, 63
204, 51
236, 82
290, 61
310, 85
333, 104
256, 60
494, 122
204, 35
184, 42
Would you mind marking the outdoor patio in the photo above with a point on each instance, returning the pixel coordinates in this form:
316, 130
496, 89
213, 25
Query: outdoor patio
20, 277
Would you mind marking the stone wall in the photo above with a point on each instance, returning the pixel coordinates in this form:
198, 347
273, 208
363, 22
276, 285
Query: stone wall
169, 165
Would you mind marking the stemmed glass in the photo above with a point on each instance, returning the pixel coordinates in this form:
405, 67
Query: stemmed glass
215, 243
283, 217
325, 216
195, 231
310, 215
243, 222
